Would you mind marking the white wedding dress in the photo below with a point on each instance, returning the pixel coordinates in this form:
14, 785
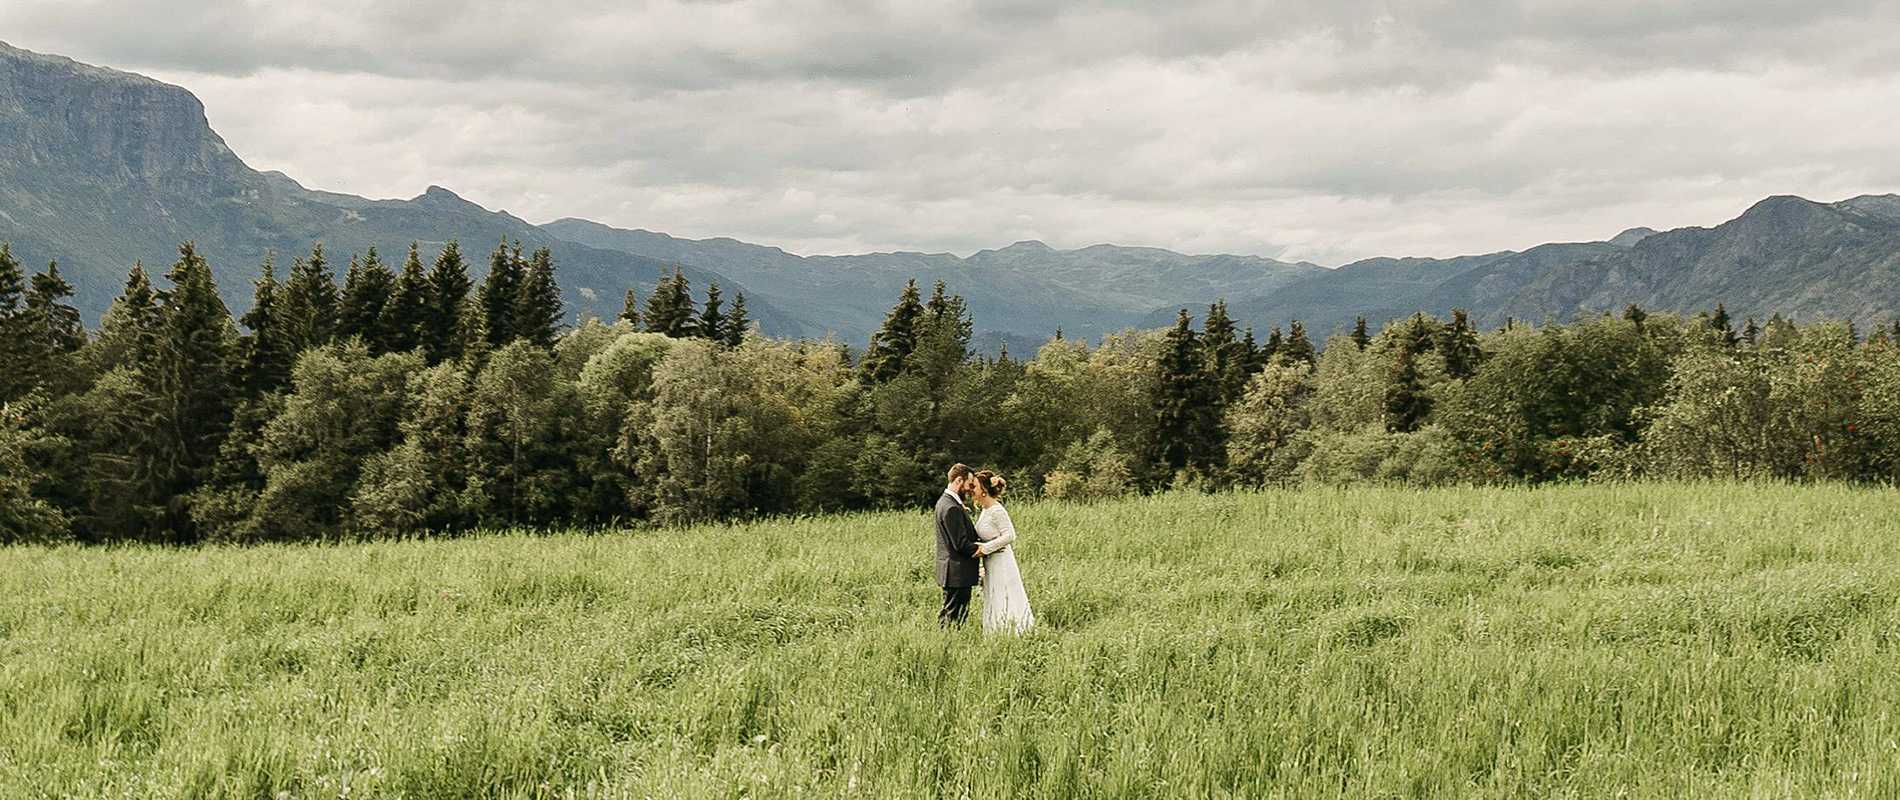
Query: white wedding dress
1005, 602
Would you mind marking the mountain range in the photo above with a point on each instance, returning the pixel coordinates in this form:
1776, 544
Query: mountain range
100, 168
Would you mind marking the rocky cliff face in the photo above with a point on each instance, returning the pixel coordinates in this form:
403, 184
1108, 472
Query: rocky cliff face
100, 168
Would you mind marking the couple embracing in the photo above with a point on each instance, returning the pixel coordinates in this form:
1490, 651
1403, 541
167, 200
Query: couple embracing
972, 553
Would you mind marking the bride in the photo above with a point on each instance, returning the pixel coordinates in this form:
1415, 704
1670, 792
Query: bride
1005, 602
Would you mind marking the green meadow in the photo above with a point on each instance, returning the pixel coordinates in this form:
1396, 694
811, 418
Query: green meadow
1641, 640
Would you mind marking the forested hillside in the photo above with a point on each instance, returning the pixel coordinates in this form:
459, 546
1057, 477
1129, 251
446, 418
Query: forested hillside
414, 399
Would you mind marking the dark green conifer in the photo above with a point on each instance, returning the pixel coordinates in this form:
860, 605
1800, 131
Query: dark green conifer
1360, 337
405, 317
1297, 349
738, 325
1186, 427
1458, 343
712, 316
500, 293
269, 350
894, 341
670, 308
445, 325
192, 387
367, 293
630, 310
538, 309
310, 301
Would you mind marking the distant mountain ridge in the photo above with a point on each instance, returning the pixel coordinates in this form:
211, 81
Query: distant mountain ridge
99, 168
1026, 290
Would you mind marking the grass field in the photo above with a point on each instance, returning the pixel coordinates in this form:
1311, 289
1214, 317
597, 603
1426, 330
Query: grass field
1640, 641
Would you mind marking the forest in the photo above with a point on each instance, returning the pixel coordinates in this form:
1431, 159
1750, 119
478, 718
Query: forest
414, 401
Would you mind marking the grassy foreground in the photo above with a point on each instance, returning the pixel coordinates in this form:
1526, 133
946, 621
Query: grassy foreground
1642, 641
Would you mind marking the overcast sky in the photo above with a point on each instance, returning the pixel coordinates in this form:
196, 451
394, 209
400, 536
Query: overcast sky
1327, 131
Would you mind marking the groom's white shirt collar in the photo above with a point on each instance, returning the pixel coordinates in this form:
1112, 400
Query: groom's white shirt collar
952, 491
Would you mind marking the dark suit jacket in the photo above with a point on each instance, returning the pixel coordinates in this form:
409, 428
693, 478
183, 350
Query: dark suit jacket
956, 544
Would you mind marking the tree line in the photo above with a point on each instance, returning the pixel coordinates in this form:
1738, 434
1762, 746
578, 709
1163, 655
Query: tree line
413, 401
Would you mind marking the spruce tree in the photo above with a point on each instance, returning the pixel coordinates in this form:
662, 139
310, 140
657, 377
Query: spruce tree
443, 325
1751, 333
405, 315
269, 350
1225, 356
1360, 337
1276, 342
1297, 349
1458, 343
738, 325
128, 332
500, 292
712, 316
1256, 356
1723, 326
192, 386
630, 310
50, 331
367, 293
15, 355
894, 341
310, 301
1406, 403
1185, 424
538, 308
670, 309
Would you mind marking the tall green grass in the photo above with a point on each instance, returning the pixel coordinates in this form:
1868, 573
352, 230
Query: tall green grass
1600, 641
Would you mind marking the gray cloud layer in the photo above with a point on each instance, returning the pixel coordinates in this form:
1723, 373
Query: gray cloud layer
1327, 131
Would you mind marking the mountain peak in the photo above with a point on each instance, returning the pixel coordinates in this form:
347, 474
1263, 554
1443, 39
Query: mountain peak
1630, 237
1028, 245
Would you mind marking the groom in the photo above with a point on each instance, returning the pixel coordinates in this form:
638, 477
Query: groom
956, 548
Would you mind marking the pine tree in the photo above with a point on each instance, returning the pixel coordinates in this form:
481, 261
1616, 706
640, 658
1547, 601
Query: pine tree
269, 351
1458, 344
367, 293
444, 326
670, 309
1751, 333
1297, 349
500, 292
406, 314
712, 317
630, 310
1276, 342
895, 340
310, 301
738, 325
538, 308
1360, 337
1185, 425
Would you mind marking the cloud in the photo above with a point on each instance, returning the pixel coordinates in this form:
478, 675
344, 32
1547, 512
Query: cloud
1301, 130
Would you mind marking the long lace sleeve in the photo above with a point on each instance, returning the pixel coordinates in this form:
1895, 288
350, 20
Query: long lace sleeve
1006, 530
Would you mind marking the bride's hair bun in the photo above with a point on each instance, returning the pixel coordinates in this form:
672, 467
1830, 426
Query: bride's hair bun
993, 484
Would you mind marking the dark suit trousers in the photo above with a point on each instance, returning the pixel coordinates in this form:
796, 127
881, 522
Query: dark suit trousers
956, 606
